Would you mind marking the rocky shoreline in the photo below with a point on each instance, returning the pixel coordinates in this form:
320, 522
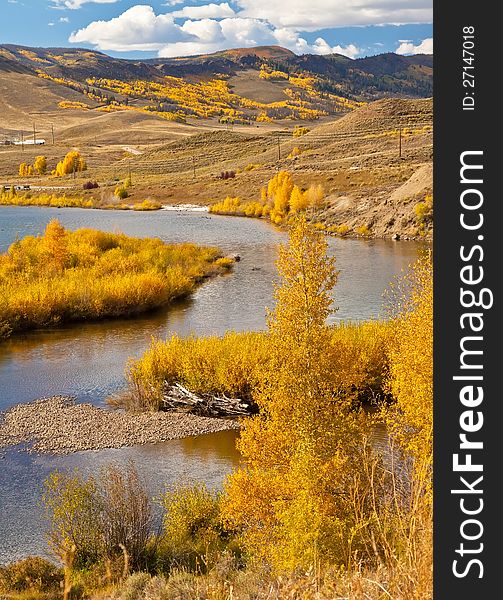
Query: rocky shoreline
60, 425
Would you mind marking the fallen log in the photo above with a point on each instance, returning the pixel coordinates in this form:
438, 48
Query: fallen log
178, 398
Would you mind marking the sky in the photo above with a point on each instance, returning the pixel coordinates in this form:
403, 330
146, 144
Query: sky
168, 28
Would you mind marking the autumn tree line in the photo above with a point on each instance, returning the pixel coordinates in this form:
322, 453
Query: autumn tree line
73, 162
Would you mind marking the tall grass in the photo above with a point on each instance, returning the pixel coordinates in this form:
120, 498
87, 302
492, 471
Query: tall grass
69, 276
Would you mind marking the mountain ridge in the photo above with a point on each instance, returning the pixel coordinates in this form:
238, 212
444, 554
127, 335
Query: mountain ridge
359, 79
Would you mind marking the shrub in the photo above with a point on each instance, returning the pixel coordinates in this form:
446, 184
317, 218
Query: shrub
40, 165
341, 230
227, 175
99, 518
252, 166
194, 535
299, 131
363, 230
424, 210
90, 185
121, 192
277, 201
126, 513
147, 205
225, 262
191, 513
295, 152
27, 199
72, 163
32, 574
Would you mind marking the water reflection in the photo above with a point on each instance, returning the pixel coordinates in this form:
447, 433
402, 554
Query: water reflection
23, 527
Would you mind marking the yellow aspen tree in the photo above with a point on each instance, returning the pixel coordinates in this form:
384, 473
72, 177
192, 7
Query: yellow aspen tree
293, 499
298, 199
55, 242
40, 165
411, 364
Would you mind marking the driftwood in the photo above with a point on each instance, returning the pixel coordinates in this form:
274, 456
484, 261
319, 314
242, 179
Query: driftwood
178, 398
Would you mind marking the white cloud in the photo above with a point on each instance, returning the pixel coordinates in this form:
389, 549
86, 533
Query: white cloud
75, 4
64, 20
210, 35
138, 28
321, 47
51, 24
407, 47
312, 15
206, 11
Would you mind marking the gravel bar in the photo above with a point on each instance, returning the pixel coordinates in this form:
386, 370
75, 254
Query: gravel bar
59, 425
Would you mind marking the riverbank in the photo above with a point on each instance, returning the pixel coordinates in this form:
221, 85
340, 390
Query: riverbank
59, 425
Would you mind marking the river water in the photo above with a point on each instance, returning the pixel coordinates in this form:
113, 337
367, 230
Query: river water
88, 360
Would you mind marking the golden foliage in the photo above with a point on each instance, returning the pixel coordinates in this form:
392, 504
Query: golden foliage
38, 168
280, 200
293, 499
73, 105
424, 210
67, 276
147, 205
411, 363
29, 199
299, 131
267, 73
296, 151
209, 365
363, 230
72, 163
40, 165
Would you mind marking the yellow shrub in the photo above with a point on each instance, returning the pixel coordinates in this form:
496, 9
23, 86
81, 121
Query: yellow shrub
363, 230
13, 198
87, 274
147, 205
299, 131
295, 152
424, 210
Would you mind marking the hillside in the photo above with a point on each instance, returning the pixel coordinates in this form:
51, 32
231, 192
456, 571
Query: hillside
176, 134
267, 82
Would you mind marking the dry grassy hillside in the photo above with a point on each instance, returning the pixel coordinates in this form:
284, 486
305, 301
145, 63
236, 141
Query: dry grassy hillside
367, 180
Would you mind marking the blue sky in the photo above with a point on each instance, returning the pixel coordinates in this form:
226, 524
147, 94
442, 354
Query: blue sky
136, 29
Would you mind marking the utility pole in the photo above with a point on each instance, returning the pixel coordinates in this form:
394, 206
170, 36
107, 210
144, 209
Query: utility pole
52, 132
279, 149
400, 143
22, 140
129, 172
34, 135
194, 166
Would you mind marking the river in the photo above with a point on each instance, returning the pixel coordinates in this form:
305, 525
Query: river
87, 360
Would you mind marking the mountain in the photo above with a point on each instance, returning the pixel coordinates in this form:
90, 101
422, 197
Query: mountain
360, 79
